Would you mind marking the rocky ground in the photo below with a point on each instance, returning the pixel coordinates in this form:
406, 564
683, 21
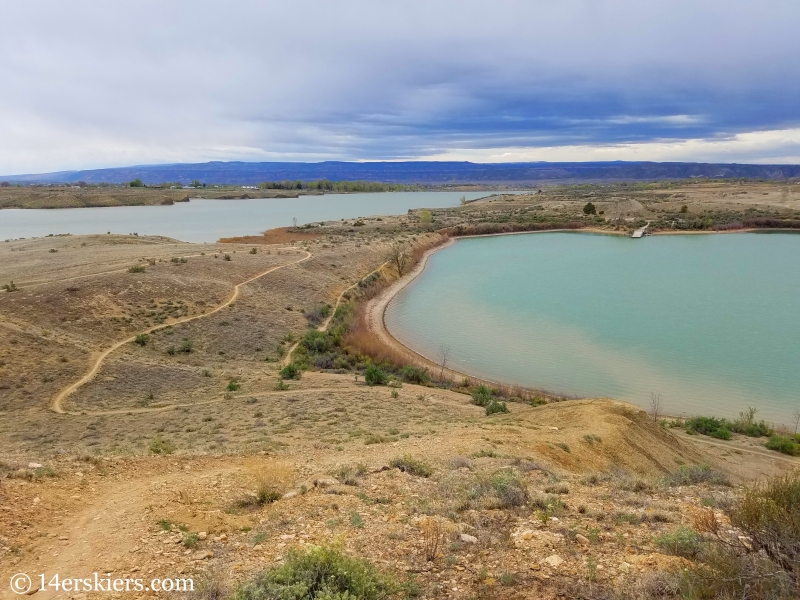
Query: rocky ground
160, 467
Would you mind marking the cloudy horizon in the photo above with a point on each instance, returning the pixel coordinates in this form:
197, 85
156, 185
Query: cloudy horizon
88, 84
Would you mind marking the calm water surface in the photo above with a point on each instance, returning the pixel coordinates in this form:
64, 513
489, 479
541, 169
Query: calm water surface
711, 322
209, 220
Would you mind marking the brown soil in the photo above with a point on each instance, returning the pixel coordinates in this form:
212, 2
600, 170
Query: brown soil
279, 235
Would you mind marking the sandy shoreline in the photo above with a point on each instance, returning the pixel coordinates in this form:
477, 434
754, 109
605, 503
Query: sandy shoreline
376, 308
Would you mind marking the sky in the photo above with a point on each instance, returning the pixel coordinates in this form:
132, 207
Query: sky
89, 84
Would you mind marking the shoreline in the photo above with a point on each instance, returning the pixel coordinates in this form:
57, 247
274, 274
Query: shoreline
377, 306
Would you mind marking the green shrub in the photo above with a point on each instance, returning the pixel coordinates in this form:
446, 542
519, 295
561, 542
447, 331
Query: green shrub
482, 396
506, 486
233, 386
683, 542
589, 209
711, 426
693, 475
253, 250
414, 375
374, 375
190, 540
785, 444
185, 347
495, 407
290, 371
161, 446
319, 572
142, 339
10, 287
137, 269
226, 256
317, 342
413, 466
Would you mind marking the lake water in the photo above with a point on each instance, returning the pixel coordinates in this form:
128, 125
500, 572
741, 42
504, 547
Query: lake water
711, 322
210, 220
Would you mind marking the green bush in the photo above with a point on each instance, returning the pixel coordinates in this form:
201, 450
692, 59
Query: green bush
495, 407
374, 375
482, 396
589, 209
137, 269
784, 443
414, 375
142, 339
322, 573
190, 540
711, 426
290, 371
693, 475
234, 386
317, 342
413, 466
506, 486
683, 542
161, 446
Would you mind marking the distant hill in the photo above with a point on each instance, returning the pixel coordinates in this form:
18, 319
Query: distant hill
431, 173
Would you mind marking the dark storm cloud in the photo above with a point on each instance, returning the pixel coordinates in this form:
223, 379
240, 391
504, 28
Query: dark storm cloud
102, 83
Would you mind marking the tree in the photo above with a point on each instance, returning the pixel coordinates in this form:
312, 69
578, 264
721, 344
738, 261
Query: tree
425, 216
656, 406
136, 183
444, 356
796, 416
399, 258
589, 209
196, 183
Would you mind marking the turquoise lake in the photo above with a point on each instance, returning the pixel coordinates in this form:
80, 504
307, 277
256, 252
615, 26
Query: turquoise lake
711, 322
210, 220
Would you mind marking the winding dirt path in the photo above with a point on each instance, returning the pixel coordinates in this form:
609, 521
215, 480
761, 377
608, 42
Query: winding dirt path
326, 323
57, 405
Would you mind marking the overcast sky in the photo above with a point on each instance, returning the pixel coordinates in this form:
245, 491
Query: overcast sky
87, 84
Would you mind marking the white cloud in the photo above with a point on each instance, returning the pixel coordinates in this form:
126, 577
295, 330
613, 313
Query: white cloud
765, 147
91, 83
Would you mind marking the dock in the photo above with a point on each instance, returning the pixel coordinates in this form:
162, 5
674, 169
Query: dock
640, 232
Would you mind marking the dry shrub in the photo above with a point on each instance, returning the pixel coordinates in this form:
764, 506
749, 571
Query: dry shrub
434, 530
272, 479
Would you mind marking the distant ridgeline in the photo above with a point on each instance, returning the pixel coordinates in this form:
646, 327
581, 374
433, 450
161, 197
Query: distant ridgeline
409, 173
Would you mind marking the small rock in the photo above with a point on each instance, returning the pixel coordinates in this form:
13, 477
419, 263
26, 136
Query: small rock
63, 538
223, 536
582, 539
34, 465
288, 495
202, 535
467, 538
324, 482
36, 500
257, 547
554, 560
624, 567
203, 555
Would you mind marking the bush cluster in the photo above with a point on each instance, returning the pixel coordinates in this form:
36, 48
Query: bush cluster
724, 429
319, 572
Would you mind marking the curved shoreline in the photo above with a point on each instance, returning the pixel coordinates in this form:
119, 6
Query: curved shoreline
376, 308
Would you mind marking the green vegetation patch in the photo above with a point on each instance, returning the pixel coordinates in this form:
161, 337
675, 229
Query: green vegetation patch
319, 572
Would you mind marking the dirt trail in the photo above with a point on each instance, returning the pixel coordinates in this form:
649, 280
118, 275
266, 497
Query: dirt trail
326, 323
57, 403
104, 536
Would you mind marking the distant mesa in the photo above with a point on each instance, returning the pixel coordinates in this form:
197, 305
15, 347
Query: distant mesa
421, 172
